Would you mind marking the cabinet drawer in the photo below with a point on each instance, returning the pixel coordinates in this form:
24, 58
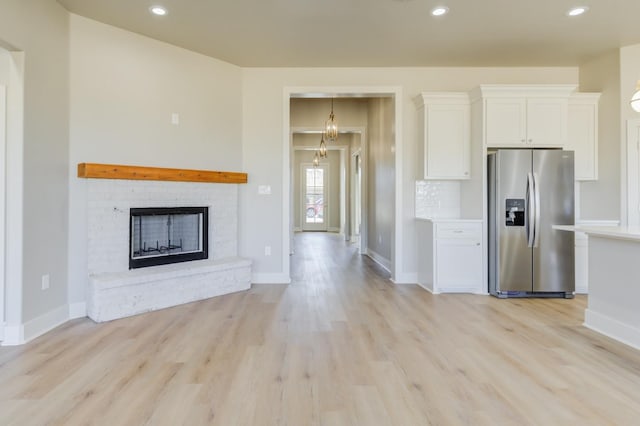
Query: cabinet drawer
458, 230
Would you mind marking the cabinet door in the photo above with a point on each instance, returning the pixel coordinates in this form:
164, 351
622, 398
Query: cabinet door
582, 138
447, 141
506, 122
546, 122
459, 265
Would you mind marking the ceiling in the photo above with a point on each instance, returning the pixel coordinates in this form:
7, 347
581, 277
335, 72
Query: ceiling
379, 33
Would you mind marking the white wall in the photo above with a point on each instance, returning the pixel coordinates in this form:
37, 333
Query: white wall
124, 90
263, 139
600, 200
38, 181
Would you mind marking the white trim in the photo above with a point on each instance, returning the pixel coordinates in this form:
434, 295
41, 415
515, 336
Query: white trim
612, 328
287, 194
630, 193
3, 174
397, 250
14, 198
394, 92
46, 322
270, 278
424, 286
380, 260
335, 229
297, 229
407, 278
13, 335
77, 310
23, 333
324, 226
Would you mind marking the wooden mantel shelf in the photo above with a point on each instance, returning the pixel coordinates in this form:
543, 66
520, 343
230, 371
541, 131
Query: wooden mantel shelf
115, 171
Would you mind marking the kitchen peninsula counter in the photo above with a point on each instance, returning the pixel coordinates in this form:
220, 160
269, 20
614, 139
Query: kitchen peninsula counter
614, 281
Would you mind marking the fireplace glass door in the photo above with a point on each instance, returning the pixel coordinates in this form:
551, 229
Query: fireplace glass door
167, 235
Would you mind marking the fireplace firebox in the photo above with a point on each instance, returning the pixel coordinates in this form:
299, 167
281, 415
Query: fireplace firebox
163, 235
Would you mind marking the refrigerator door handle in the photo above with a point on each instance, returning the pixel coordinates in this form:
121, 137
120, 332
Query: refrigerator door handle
530, 207
536, 228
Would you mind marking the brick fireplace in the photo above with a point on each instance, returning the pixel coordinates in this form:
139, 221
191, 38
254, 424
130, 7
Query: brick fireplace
115, 290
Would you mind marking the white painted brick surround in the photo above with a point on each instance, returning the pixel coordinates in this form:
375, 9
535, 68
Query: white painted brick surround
115, 291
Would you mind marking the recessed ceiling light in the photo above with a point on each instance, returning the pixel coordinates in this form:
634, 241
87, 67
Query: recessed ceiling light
158, 10
577, 11
439, 11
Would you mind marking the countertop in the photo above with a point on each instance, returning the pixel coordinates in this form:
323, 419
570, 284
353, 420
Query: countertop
448, 220
631, 233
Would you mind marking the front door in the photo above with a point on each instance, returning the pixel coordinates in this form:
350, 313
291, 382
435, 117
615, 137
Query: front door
314, 197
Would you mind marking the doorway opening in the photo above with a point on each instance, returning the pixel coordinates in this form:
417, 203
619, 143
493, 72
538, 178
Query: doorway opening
371, 173
315, 194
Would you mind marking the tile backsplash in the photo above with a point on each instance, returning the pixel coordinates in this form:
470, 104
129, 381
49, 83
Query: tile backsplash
437, 199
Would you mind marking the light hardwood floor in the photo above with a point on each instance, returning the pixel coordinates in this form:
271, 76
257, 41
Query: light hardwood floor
341, 345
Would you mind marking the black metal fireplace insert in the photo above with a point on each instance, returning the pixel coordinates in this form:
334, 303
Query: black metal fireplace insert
163, 235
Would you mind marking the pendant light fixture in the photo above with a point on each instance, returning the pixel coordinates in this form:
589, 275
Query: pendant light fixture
323, 148
331, 126
316, 159
635, 99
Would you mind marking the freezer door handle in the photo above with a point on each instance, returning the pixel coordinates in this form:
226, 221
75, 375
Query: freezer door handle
536, 227
530, 207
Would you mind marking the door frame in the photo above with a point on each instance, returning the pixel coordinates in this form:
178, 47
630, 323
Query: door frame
326, 194
398, 274
3, 196
356, 189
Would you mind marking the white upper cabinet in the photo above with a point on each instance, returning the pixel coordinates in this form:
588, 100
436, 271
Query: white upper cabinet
444, 133
526, 115
583, 134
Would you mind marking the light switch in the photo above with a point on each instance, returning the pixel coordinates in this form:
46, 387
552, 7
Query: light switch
264, 189
175, 118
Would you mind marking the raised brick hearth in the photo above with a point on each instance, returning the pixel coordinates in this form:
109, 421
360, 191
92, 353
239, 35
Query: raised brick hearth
115, 291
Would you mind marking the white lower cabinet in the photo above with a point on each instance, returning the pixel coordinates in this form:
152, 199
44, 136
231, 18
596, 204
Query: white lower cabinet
450, 256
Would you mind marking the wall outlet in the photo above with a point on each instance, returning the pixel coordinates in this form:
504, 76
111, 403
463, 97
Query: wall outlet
45, 281
267, 250
379, 239
175, 118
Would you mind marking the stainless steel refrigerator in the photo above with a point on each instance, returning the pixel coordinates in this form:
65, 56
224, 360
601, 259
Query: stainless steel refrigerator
530, 190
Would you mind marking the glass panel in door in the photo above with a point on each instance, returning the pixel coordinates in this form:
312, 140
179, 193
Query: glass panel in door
314, 198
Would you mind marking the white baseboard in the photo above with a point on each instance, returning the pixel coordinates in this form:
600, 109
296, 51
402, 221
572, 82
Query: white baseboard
380, 260
582, 289
613, 328
13, 335
333, 229
47, 322
77, 310
268, 278
297, 229
20, 334
406, 278
430, 290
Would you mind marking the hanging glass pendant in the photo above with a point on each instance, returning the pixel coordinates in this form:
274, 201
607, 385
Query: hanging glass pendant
316, 160
323, 148
331, 126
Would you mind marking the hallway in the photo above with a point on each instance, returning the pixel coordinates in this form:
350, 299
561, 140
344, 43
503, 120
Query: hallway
340, 345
